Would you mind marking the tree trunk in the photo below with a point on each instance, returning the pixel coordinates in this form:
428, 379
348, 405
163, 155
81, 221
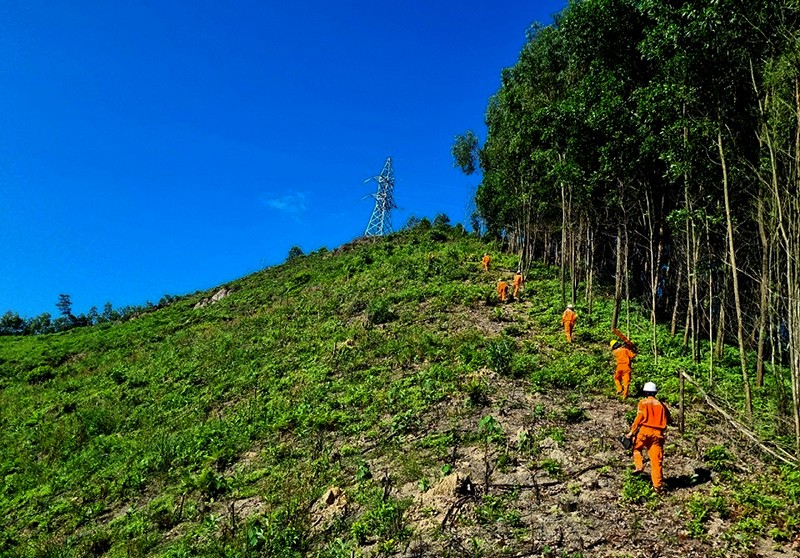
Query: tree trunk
563, 244
674, 321
763, 288
590, 247
655, 260
627, 281
618, 279
735, 278
719, 346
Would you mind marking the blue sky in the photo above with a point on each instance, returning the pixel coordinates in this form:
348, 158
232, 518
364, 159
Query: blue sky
151, 147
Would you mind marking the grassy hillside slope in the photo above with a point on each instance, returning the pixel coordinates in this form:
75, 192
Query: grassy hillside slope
375, 400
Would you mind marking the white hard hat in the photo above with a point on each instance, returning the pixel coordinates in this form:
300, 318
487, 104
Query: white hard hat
650, 387
570, 306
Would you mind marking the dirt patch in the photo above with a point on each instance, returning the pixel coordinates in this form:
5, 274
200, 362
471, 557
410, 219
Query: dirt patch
554, 487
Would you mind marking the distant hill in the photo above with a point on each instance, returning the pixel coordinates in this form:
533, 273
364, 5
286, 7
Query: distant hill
374, 400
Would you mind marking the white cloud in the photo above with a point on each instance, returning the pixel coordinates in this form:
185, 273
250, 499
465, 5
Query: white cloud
291, 204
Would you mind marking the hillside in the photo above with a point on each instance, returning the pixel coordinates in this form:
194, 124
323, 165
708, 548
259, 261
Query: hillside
375, 400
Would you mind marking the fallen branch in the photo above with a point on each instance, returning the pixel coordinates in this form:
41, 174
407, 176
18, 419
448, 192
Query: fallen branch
536, 486
452, 512
777, 453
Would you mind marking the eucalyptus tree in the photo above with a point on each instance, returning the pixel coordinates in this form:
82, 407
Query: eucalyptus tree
616, 175
708, 140
515, 196
775, 81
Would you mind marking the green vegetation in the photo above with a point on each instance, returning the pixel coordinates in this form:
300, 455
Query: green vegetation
213, 431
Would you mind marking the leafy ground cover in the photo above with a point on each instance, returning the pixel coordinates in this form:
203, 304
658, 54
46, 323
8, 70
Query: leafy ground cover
372, 400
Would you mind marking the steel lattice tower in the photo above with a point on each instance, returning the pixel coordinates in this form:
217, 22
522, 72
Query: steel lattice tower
381, 221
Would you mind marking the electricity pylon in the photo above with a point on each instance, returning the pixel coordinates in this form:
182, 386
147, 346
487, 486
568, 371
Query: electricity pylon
380, 223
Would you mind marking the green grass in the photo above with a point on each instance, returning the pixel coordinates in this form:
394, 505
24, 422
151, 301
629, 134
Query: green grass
134, 438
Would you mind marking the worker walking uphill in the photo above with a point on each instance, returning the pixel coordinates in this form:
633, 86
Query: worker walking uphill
518, 279
502, 290
485, 261
647, 433
623, 355
568, 318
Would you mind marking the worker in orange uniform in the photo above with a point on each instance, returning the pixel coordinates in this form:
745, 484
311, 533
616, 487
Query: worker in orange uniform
485, 261
568, 318
623, 354
648, 429
518, 279
502, 290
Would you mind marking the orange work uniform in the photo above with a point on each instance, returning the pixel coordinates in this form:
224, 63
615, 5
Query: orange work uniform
651, 421
517, 284
502, 290
568, 318
622, 374
485, 261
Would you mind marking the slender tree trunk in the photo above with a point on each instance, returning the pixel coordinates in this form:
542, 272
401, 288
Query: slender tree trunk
655, 260
792, 243
571, 236
710, 324
618, 279
720, 343
573, 279
564, 217
763, 288
710, 308
690, 329
695, 292
766, 275
627, 281
682, 400
590, 248
674, 321
735, 277
687, 325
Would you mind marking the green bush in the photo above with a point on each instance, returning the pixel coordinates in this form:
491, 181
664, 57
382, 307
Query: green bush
574, 415
383, 522
477, 390
378, 312
718, 458
636, 489
282, 534
500, 355
40, 374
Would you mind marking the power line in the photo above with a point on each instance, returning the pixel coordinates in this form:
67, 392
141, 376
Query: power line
380, 223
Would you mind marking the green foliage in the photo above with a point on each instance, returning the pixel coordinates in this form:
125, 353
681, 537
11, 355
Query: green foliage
574, 415
40, 374
294, 252
211, 484
465, 152
700, 508
500, 355
552, 467
378, 312
718, 458
553, 376
490, 430
494, 509
282, 534
363, 472
477, 390
636, 489
382, 523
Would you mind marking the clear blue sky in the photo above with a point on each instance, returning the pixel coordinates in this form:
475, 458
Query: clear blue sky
152, 147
